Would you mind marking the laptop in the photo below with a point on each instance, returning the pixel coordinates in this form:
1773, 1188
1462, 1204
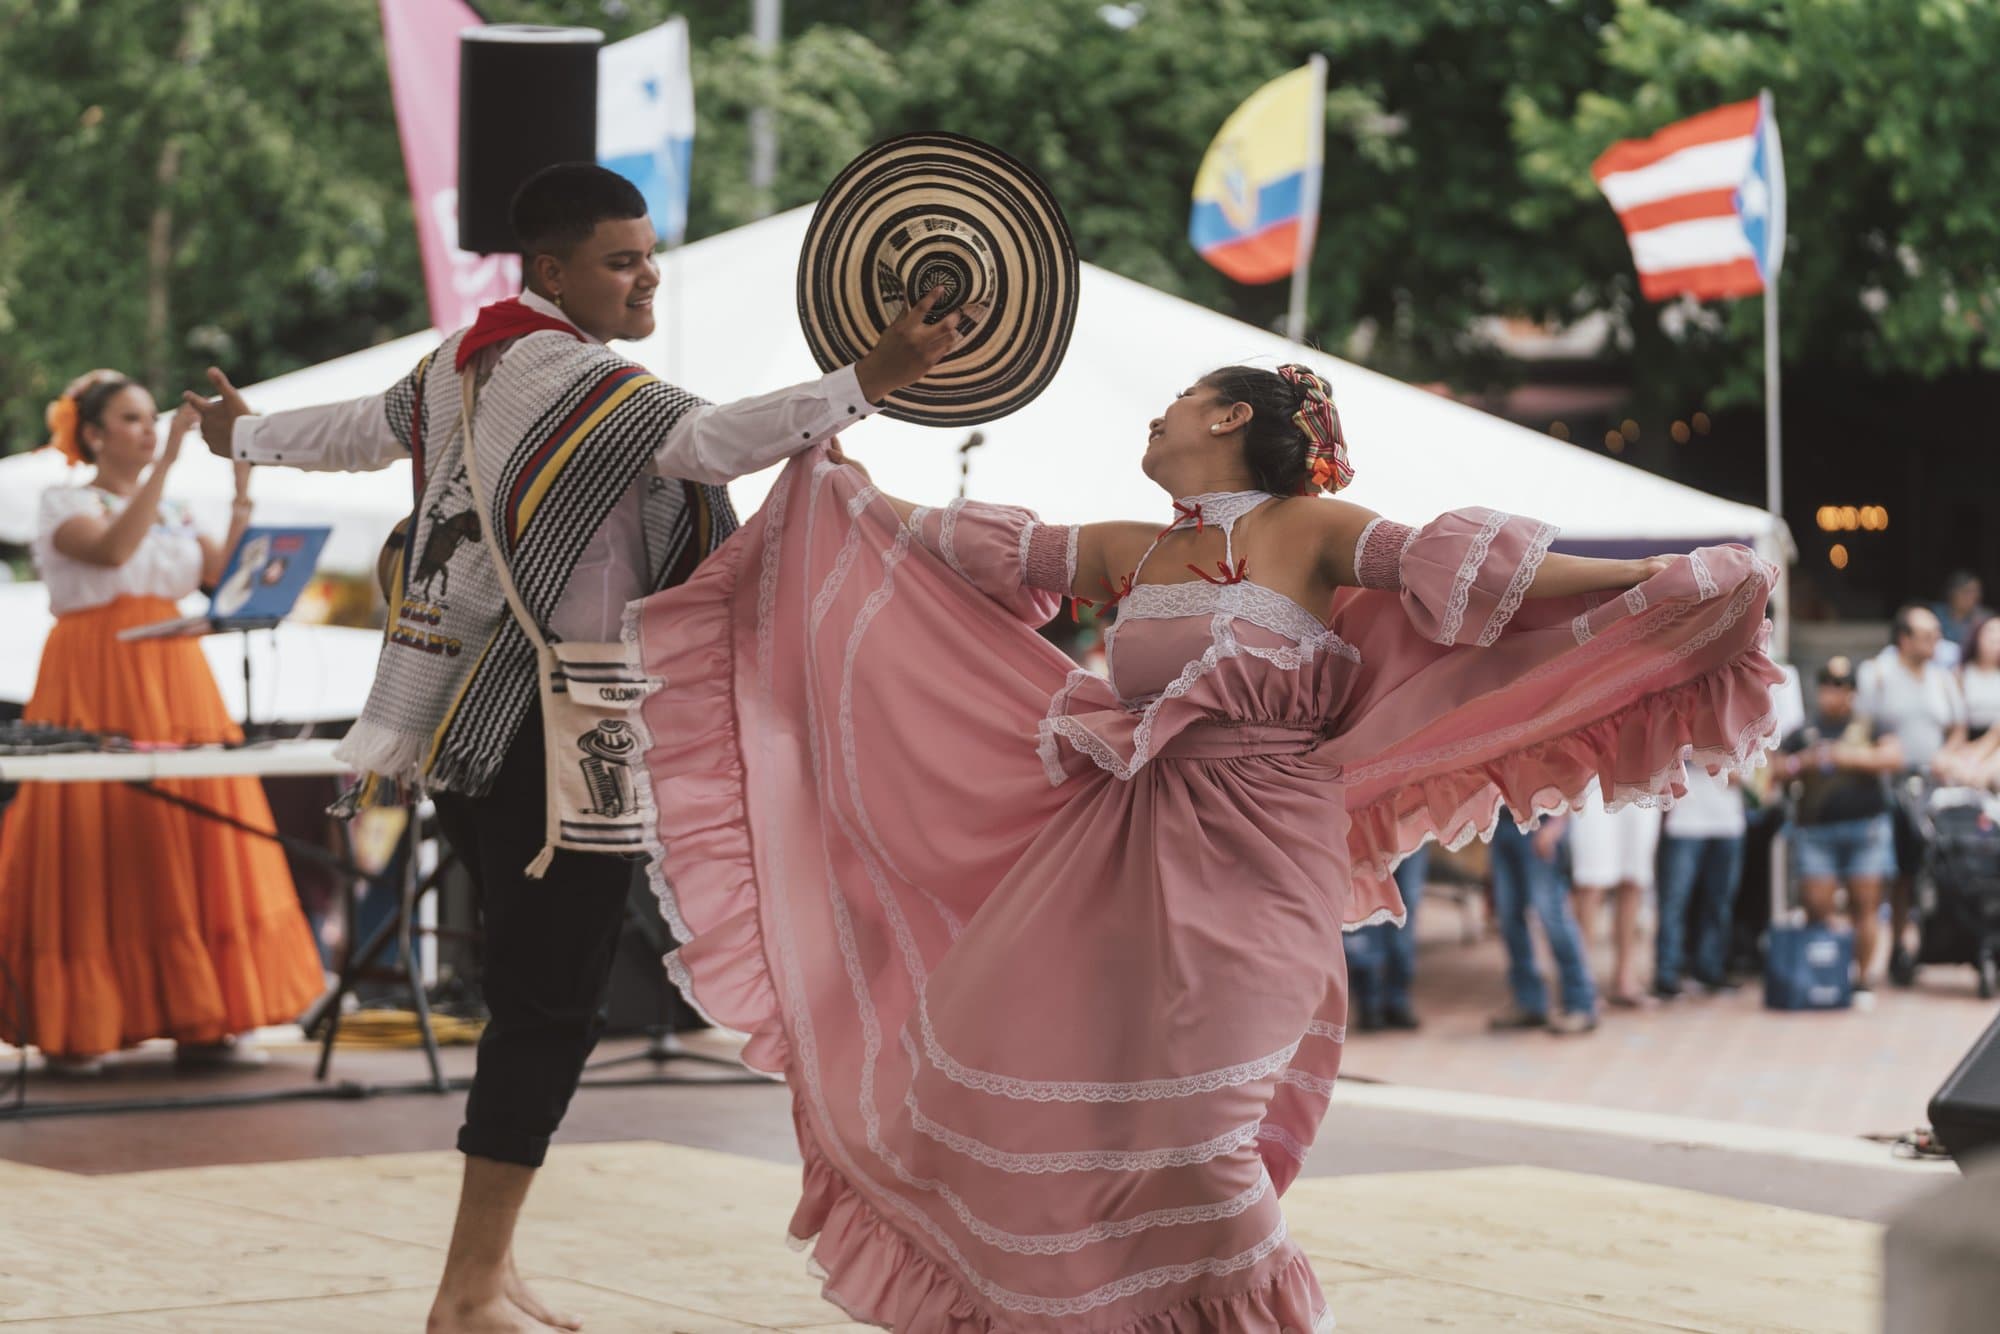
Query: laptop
259, 586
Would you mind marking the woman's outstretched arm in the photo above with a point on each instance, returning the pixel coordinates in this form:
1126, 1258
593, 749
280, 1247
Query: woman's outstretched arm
1100, 547
1343, 526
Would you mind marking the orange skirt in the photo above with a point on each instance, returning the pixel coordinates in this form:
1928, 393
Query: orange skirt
123, 917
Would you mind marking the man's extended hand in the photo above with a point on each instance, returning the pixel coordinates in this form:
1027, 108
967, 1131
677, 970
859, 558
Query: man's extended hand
910, 348
218, 415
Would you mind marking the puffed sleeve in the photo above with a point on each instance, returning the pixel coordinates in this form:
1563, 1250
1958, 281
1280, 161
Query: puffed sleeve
1462, 576
1003, 551
62, 503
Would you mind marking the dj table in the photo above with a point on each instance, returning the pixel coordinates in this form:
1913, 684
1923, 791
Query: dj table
271, 759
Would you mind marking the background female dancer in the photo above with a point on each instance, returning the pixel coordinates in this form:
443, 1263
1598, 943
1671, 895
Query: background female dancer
122, 917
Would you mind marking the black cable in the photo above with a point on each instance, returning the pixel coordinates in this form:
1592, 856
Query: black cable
309, 851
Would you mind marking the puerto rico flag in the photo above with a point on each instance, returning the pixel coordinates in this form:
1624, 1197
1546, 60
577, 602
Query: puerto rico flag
1702, 202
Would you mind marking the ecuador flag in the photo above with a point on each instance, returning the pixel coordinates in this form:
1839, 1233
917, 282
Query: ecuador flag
1256, 197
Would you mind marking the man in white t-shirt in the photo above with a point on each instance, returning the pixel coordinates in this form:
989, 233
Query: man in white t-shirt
1907, 695
1904, 690
1701, 862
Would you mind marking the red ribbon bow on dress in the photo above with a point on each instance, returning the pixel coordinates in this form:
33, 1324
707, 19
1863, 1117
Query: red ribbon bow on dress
1118, 595
1182, 513
503, 321
1229, 576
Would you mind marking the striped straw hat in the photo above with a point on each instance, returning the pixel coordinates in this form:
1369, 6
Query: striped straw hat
941, 210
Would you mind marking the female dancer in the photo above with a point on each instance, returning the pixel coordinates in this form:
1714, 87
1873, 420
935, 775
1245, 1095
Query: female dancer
122, 917
1052, 963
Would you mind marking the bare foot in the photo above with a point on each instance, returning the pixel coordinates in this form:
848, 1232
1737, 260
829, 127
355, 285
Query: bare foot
492, 1315
519, 1293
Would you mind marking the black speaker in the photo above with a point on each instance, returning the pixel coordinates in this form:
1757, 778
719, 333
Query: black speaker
527, 99
1965, 1112
641, 999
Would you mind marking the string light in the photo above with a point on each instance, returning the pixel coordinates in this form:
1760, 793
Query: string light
1560, 430
1679, 431
1629, 429
1851, 518
1700, 420
1838, 556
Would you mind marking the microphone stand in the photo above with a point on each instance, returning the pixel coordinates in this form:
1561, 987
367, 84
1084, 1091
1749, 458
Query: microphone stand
972, 442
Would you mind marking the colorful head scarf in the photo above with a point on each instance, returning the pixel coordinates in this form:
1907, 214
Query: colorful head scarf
1326, 448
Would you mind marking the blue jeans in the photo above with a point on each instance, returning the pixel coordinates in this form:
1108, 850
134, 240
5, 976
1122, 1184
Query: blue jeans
1524, 882
1846, 849
1715, 867
1382, 960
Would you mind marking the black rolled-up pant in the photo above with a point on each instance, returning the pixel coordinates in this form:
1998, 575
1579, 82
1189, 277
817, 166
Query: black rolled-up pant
549, 949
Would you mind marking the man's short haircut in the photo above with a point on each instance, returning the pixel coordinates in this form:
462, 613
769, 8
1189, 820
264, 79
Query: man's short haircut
1906, 620
557, 208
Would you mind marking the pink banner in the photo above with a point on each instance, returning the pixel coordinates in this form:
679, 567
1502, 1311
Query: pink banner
422, 40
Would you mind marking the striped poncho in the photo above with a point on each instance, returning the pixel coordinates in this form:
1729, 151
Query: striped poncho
564, 428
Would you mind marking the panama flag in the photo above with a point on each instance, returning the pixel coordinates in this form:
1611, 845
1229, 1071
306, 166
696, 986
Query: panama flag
1256, 196
1702, 202
645, 120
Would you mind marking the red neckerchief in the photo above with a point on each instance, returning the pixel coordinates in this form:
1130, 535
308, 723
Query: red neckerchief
503, 321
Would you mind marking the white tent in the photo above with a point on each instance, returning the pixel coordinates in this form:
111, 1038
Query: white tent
728, 328
1073, 454
298, 673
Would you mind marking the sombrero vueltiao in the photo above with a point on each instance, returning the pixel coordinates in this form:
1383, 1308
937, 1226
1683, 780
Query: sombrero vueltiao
927, 210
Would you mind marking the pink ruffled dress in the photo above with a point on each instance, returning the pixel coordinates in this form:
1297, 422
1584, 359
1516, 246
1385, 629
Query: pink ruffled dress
1051, 963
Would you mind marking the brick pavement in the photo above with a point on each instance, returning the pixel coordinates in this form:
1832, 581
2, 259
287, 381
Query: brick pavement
1857, 1072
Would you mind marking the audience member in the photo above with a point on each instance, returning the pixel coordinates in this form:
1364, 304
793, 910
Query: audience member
1701, 864
1525, 880
1958, 615
1382, 959
1612, 853
1837, 766
1906, 694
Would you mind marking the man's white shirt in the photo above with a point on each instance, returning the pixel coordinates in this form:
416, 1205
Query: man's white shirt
712, 443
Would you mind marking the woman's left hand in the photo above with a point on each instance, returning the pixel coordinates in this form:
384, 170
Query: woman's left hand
835, 454
1647, 566
183, 420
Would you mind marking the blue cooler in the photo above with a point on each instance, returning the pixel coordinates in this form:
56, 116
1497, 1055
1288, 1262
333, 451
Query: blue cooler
1808, 968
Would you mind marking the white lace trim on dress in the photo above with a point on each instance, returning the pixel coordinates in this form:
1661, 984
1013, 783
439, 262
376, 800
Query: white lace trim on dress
1468, 570
1243, 600
1081, 1160
1221, 508
1517, 588
1096, 1091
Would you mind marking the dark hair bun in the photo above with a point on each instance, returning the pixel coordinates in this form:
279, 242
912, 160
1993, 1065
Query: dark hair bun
1274, 447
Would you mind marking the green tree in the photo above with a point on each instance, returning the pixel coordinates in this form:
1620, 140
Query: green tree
1894, 263
208, 180
220, 179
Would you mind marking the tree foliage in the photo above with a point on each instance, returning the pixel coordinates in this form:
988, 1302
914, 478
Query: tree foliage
237, 162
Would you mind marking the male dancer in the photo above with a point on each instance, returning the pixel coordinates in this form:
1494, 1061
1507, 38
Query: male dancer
613, 481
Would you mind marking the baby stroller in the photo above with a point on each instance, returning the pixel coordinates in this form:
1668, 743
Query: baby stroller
1957, 890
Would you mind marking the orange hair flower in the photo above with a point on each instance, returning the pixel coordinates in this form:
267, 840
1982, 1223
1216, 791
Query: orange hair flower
61, 416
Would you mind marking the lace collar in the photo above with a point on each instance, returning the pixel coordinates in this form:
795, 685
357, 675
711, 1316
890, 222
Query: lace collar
1221, 508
